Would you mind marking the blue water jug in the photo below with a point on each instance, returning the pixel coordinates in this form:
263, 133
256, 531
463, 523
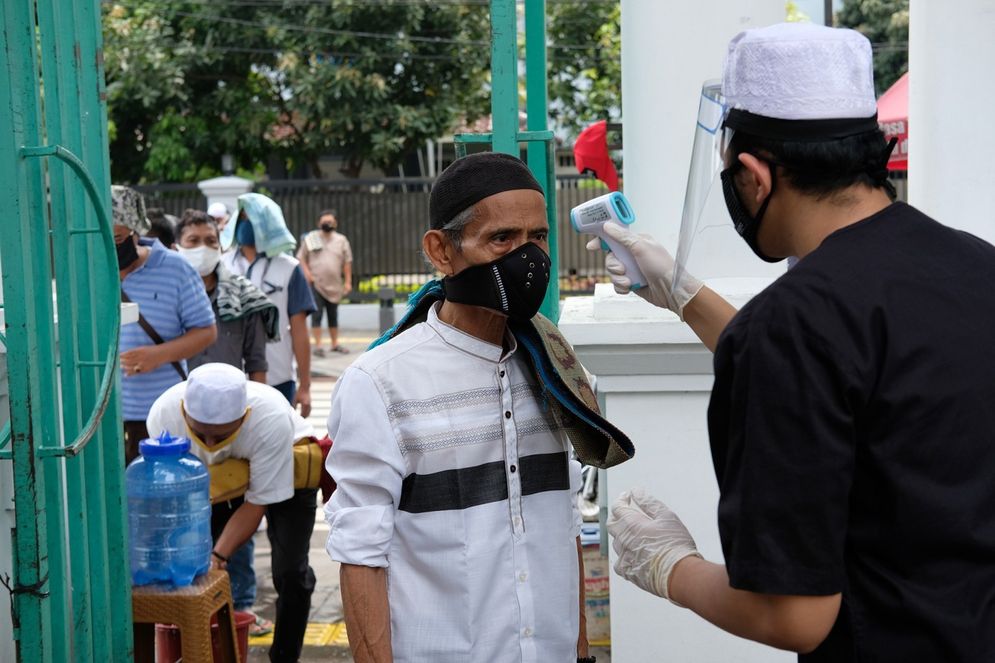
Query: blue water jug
169, 513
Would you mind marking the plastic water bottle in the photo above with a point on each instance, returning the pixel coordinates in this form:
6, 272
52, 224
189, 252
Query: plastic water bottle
169, 513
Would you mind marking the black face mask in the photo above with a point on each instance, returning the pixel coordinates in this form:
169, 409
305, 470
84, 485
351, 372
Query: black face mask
127, 253
747, 226
514, 284
327, 227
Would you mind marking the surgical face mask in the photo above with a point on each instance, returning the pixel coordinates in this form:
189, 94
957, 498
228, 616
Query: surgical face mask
328, 227
514, 284
202, 258
746, 225
127, 253
244, 234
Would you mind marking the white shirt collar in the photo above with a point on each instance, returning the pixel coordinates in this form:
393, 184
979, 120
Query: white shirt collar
471, 344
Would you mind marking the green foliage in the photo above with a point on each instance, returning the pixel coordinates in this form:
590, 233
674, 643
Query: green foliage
178, 95
585, 82
189, 81
886, 24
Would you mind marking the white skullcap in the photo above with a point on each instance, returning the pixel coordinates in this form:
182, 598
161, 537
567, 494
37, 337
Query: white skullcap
800, 71
215, 394
217, 210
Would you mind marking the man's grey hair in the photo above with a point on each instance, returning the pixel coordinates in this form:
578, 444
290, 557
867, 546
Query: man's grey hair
454, 228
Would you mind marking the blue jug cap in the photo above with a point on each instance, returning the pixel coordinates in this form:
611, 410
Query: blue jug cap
164, 445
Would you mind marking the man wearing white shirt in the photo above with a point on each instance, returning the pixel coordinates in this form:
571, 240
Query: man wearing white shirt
227, 417
454, 517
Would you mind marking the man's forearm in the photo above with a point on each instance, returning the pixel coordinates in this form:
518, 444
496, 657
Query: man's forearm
242, 525
189, 344
582, 644
796, 623
301, 342
708, 314
367, 612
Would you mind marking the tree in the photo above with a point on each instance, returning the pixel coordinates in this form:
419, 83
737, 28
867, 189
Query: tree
377, 99
190, 80
180, 93
886, 24
585, 82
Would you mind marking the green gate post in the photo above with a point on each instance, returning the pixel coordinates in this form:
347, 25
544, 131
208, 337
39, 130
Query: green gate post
504, 76
542, 157
68, 606
30, 333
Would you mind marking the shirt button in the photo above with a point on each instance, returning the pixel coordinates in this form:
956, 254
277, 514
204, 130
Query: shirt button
518, 521
523, 576
512, 468
501, 374
528, 632
507, 414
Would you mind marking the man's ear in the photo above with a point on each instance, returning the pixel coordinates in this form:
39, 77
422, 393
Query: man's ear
439, 251
756, 178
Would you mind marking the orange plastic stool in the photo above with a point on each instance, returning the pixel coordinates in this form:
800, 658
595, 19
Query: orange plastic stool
190, 608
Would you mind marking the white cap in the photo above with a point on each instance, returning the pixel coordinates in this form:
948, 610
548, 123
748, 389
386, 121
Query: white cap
215, 394
217, 210
800, 71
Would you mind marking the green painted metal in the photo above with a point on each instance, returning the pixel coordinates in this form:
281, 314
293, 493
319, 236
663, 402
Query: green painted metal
506, 136
30, 330
82, 612
541, 158
504, 76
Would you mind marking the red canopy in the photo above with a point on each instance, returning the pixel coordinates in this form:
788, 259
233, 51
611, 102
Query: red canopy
591, 154
893, 117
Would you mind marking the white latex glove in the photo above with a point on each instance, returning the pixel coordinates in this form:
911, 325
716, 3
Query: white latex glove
657, 266
649, 540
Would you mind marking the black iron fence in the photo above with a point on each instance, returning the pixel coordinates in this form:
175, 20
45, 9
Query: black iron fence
385, 219
173, 198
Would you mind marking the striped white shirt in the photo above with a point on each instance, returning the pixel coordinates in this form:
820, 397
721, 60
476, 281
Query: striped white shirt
453, 473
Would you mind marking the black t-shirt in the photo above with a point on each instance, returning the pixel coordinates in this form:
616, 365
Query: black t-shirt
852, 427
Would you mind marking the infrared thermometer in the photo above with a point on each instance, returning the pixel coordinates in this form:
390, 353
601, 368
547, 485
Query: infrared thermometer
591, 217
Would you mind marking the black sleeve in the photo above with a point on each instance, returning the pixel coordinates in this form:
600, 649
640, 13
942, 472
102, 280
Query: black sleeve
781, 431
254, 344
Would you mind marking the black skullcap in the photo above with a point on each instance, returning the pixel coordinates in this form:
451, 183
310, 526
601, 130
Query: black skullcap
471, 179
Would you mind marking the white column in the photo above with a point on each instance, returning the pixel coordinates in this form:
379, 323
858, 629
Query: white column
653, 375
225, 190
951, 136
668, 50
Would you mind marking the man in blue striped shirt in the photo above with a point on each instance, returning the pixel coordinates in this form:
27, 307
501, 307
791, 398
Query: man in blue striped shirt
171, 298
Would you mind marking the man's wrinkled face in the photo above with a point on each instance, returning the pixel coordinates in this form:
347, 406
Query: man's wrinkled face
502, 223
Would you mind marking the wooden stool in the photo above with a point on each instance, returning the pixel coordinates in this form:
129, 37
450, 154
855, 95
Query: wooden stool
190, 608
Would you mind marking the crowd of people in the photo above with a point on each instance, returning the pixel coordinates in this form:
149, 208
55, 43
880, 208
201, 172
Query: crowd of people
228, 309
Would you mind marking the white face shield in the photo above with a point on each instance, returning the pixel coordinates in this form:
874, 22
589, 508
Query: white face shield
703, 191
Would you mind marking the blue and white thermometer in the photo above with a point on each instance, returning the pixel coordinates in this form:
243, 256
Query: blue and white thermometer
591, 217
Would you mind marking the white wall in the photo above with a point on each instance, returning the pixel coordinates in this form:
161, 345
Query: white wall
952, 138
668, 50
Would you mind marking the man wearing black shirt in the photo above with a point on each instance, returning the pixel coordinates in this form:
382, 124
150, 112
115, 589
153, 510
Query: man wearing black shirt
852, 424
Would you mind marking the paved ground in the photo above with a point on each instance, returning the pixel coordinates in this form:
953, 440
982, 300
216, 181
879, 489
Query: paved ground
326, 607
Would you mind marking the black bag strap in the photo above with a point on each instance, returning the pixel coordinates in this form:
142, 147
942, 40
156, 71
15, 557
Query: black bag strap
153, 334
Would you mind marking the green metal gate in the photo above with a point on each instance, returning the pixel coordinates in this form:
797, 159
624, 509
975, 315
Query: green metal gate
71, 597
